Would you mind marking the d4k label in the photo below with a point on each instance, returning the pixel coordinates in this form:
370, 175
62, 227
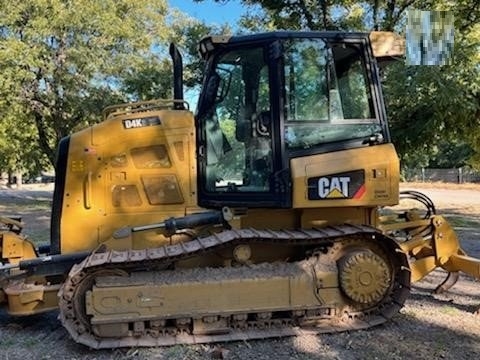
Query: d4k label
348, 185
142, 122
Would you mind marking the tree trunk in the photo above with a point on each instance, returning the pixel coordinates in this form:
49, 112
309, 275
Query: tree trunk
18, 178
43, 138
10, 178
14, 179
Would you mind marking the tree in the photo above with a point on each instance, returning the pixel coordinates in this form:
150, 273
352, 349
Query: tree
426, 104
430, 105
388, 15
16, 132
63, 61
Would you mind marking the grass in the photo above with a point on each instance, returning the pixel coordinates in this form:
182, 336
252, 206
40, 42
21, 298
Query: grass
24, 204
449, 310
6, 343
30, 342
35, 214
440, 185
181, 352
409, 314
463, 221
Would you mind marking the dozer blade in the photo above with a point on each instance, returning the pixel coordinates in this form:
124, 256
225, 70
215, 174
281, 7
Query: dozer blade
432, 243
429, 240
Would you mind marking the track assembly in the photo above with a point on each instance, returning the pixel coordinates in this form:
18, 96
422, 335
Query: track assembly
344, 281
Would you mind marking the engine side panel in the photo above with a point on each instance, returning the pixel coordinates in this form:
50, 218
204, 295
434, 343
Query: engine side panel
365, 177
131, 169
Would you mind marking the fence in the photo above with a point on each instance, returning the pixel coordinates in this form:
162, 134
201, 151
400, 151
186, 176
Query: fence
458, 176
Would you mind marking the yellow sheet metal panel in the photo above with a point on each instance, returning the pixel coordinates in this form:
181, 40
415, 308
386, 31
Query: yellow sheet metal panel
16, 248
197, 299
386, 44
27, 299
189, 299
137, 168
365, 177
320, 217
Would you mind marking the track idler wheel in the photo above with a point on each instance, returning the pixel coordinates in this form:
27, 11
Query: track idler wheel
365, 277
84, 283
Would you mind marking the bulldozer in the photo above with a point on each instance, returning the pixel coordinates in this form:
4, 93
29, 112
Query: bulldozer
264, 214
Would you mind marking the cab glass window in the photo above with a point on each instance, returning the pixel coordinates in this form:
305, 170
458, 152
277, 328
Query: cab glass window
237, 126
327, 94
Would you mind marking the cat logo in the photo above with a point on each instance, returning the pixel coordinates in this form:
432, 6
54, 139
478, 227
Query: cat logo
334, 187
347, 185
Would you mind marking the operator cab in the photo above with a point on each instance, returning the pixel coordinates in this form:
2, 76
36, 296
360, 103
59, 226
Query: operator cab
269, 98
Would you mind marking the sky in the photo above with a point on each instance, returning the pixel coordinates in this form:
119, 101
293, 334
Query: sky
211, 12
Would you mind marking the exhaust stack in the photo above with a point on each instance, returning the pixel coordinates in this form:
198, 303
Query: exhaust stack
177, 76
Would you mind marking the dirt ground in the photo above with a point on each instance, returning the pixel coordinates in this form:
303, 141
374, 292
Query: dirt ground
428, 327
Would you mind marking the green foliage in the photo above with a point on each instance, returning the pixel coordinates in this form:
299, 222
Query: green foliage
233, 161
64, 61
430, 106
152, 75
19, 149
427, 105
330, 14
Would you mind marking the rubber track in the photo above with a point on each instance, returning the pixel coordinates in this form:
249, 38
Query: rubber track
131, 259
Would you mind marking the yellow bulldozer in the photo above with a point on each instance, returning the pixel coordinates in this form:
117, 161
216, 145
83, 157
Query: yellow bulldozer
262, 215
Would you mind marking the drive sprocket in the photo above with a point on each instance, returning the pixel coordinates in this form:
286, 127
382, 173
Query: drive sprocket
365, 277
